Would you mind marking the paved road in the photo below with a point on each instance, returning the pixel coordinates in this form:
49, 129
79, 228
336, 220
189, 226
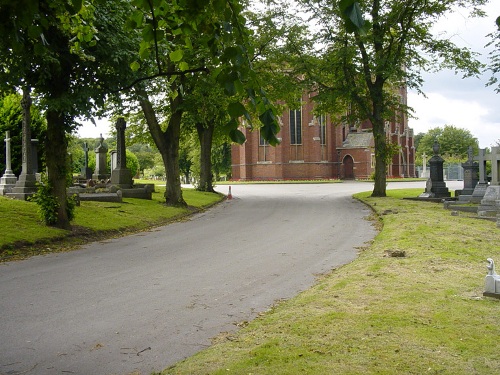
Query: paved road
143, 302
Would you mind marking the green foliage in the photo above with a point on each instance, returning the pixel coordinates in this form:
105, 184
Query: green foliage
213, 39
48, 204
454, 143
494, 56
132, 163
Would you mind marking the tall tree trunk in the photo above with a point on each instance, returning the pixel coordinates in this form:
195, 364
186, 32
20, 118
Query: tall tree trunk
167, 143
379, 187
56, 155
205, 136
173, 192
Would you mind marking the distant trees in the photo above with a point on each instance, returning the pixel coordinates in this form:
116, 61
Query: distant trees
454, 143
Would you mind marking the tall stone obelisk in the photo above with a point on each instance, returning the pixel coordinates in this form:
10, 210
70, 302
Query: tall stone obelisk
120, 175
26, 184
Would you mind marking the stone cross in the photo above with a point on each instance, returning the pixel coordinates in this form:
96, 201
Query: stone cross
424, 165
495, 165
121, 158
26, 183
9, 179
481, 159
26, 146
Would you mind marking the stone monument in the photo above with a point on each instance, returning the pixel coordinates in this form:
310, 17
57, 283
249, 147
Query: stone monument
488, 206
100, 161
9, 179
482, 184
425, 174
491, 281
471, 176
26, 184
436, 187
120, 175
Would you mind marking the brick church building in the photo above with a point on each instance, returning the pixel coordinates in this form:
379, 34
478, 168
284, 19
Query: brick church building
313, 147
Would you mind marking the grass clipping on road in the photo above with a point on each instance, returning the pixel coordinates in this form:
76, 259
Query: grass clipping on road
423, 313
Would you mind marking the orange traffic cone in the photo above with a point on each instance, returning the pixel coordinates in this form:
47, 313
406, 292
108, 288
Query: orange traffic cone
229, 195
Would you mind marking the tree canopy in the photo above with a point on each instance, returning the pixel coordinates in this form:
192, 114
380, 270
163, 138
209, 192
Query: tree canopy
454, 143
366, 50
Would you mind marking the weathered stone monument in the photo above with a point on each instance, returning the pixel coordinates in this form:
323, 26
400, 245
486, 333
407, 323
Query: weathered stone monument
9, 179
120, 175
101, 152
425, 173
488, 206
491, 281
436, 187
26, 184
482, 184
471, 177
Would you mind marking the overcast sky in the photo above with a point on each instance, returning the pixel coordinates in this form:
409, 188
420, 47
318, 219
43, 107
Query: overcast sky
451, 100
464, 103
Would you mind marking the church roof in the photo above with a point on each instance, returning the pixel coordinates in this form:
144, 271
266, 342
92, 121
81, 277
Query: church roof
358, 140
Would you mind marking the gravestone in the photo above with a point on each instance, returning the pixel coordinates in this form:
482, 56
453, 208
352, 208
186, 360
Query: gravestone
488, 206
120, 175
491, 281
425, 173
438, 187
9, 179
26, 184
428, 190
482, 184
101, 152
471, 177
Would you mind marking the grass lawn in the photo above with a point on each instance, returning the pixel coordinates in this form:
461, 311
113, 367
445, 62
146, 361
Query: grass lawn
23, 234
423, 313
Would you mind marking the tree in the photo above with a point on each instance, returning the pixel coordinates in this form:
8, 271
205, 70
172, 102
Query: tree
494, 66
183, 40
454, 142
145, 155
363, 63
50, 46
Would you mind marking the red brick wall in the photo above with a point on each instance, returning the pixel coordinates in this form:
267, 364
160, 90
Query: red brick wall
311, 160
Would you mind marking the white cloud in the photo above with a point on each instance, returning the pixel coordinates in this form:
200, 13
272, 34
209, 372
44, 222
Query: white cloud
438, 110
89, 130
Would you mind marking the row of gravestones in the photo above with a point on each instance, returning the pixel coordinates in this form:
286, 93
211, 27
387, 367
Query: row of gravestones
121, 178
476, 189
25, 185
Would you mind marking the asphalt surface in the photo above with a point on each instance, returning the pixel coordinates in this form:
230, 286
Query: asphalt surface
143, 302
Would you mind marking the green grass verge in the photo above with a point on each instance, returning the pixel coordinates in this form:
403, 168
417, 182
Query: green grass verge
23, 233
419, 314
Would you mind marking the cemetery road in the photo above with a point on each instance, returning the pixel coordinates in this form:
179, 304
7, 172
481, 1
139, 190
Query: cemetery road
145, 301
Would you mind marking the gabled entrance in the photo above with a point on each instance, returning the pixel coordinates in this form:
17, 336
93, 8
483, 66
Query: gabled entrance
348, 164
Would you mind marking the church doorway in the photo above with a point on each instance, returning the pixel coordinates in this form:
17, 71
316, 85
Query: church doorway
348, 167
